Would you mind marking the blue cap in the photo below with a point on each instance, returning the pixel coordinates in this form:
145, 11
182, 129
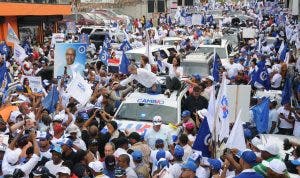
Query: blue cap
296, 162
215, 164
196, 156
44, 135
190, 165
57, 149
19, 88
160, 154
137, 155
84, 116
159, 142
162, 163
185, 113
178, 151
197, 76
67, 142
249, 157
248, 133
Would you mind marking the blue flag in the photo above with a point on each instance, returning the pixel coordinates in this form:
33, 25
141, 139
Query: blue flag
104, 55
51, 100
26, 46
106, 42
84, 38
4, 80
125, 46
283, 52
202, 138
261, 115
4, 49
124, 64
216, 67
262, 76
287, 91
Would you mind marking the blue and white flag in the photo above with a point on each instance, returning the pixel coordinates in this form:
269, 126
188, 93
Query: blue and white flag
11, 35
51, 99
4, 79
261, 76
287, 91
104, 55
123, 68
84, 38
283, 52
223, 109
4, 49
202, 139
26, 46
106, 42
236, 138
216, 67
125, 46
261, 115
19, 53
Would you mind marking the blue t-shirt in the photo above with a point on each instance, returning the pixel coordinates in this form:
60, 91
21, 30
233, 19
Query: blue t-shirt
249, 175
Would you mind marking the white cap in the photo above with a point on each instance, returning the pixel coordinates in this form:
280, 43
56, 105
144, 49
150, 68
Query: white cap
14, 115
256, 142
276, 166
157, 120
210, 78
64, 170
272, 149
97, 166
73, 128
202, 113
59, 117
46, 82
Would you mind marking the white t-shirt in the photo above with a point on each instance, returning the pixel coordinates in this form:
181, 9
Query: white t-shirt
276, 80
153, 160
297, 129
283, 123
202, 172
53, 169
121, 151
131, 173
175, 169
187, 152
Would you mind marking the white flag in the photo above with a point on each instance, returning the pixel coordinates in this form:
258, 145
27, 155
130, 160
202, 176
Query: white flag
19, 53
79, 89
11, 35
223, 110
236, 138
211, 110
281, 47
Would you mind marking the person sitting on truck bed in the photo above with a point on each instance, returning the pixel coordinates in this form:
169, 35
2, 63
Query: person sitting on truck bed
144, 77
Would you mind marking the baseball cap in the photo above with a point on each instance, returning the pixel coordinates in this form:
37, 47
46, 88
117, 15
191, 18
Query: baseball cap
58, 118
119, 172
159, 142
249, 157
19, 88
41, 170
270, 148
195, 156
43, 136
157, 120
73, 129
12, 156
137, 155
135, 136
190, 165
256, 141
84, 116
14, 115
210, 78
178, 151
248, 133
96, 166
215, 164
68, 142
64, 170
162, 162
160, 154
185, 113
276, 165
57, 149
197, 77
296, 162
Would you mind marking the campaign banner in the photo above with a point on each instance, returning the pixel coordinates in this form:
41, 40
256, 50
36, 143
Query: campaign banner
35, 83
57, 38
69, 58
84, 38
71, 27
19, 53
188, 21
80, 89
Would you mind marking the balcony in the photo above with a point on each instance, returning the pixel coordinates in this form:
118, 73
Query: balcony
62, 2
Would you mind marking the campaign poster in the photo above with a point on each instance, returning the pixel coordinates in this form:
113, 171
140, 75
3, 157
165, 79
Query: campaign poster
84, 38
71, 27
57, 38
69, 58
35, 83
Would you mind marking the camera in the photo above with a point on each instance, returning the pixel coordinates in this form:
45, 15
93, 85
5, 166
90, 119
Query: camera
286, 144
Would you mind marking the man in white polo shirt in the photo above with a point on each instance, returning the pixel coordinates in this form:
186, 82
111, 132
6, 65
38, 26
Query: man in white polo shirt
286, 119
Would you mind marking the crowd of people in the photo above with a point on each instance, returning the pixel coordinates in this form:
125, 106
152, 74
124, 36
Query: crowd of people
74, 140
